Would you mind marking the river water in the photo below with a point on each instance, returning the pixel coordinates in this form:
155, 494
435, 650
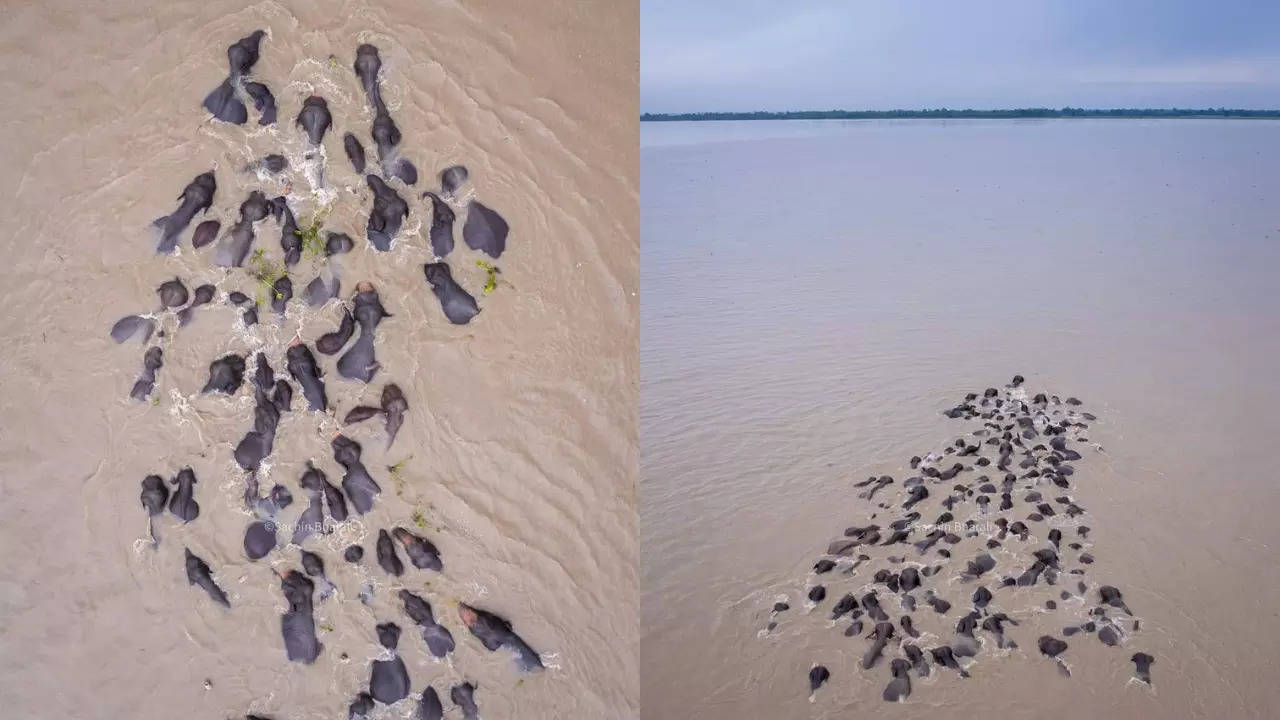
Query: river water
816, 293
518, 452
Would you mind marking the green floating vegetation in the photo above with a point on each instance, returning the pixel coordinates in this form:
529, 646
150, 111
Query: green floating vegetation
493, 271
396, 476
266, 273
326, 627
312, 245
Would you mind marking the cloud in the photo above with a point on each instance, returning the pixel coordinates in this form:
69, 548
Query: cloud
1225, 72
721, 55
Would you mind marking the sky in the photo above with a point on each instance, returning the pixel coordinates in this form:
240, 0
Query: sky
741, 55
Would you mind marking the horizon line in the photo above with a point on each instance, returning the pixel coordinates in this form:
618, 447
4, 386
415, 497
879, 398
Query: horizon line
1065, 112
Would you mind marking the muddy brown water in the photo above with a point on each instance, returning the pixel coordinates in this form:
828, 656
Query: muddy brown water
815, 294
519, 447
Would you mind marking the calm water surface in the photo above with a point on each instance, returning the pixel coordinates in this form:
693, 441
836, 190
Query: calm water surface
816, 292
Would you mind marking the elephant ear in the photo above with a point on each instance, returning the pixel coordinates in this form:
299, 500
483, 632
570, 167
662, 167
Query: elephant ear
361, 413
223, 104
485, 230
132, 326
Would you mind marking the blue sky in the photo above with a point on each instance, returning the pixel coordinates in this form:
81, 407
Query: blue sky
882, 54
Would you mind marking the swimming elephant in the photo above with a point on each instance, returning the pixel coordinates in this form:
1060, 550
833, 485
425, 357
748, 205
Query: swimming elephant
458, 305
196, 197
314, 118
494, 632
198, 573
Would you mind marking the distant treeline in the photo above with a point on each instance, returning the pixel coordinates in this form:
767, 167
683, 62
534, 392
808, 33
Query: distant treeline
1066, 112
